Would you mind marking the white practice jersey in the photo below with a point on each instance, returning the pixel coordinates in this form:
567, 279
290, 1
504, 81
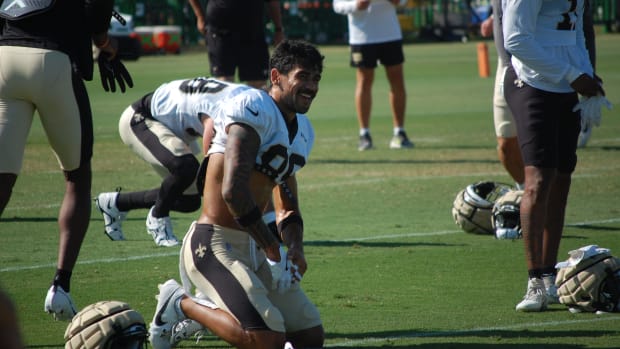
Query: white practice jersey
282, 151
177, 104
376, 24
546, 40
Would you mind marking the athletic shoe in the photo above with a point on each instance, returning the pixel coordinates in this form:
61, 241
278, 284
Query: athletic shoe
288, 345
535, 298
167, 314
584, 137
551, 289
161, 230
365, 142
112, 216
59, 304
400, 141
186, 329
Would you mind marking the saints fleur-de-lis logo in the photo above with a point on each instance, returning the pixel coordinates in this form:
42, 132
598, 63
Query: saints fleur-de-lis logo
201, 250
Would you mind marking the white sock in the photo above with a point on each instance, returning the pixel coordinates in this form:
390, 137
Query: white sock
364, 131
397, 130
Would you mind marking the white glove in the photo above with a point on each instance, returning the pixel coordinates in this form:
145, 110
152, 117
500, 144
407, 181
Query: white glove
590, 109
283, 273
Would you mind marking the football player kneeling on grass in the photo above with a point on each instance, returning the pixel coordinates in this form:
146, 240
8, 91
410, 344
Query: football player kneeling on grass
248, 276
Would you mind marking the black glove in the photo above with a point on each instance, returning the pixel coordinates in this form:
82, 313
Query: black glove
111, 70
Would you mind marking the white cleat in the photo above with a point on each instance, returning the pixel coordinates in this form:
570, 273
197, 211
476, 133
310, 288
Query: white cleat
112, 217
59, 304
551, 290
535, 298
187, 329
167, 314
161, 230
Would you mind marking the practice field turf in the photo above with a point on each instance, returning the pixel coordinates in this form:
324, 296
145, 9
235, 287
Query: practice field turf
388, 268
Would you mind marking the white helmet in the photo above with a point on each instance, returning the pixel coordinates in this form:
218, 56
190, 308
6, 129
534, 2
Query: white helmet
473, 205
506, 215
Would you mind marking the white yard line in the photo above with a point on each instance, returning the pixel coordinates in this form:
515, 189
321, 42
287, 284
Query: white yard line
366, 238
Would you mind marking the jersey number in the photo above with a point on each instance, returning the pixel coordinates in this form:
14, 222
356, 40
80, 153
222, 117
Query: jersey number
277, 162
201, 85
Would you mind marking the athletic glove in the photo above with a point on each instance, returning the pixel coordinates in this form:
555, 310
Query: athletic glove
590, 110
113, 69
283, 273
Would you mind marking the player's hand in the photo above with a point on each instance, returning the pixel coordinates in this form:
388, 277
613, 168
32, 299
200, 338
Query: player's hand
590, 110
587, 86
111, 68
278, 270
285, 272
298, 259
363, 4
486, 27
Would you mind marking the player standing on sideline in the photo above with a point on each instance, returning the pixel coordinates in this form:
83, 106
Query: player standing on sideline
162, 128
507, 145
551, 67
505, 130
234, 32
47, 44
375, 36
230, 255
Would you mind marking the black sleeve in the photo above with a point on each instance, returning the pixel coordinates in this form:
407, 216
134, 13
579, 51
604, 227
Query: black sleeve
99, 13
588, 32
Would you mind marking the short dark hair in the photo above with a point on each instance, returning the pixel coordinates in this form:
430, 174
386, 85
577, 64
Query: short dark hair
296, 52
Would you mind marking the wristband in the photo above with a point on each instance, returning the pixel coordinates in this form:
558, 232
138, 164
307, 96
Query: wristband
294, 218
249, 218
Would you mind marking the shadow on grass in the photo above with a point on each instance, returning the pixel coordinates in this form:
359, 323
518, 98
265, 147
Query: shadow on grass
402, 161
358, 340
16, 219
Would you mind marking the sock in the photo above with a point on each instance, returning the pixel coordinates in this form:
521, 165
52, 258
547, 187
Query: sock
548, 271
398, 130
364, 131
62, 279
535, 273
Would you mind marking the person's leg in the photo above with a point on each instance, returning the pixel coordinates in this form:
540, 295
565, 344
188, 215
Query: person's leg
397, 94
363, 95
225, 326
508, 150
509, 155
7, 182
16, 115
74, 217
538, 184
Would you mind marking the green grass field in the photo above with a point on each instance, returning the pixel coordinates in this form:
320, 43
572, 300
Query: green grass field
388, 268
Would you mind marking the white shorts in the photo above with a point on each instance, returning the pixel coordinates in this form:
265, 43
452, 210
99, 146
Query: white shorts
160, 139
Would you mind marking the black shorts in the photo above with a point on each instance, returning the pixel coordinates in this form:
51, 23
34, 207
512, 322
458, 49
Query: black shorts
547, 126
387, 53
230, 50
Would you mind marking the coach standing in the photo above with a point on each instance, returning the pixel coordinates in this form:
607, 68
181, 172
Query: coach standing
45, 53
